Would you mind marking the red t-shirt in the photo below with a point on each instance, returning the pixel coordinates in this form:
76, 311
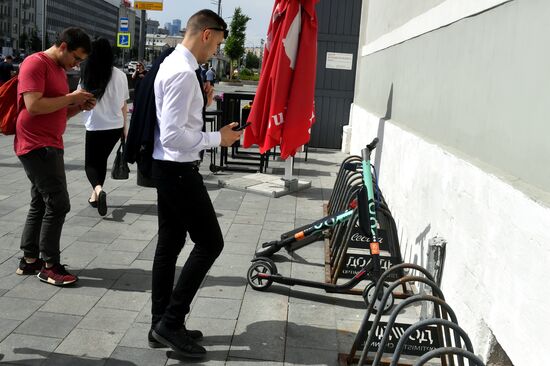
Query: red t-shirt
39, 73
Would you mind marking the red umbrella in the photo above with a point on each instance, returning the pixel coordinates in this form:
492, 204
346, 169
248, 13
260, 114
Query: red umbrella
283, 108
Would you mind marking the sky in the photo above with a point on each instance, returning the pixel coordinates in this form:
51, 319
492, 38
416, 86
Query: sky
258, 10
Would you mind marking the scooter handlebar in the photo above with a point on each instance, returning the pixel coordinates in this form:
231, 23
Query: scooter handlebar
373, 144
366, 151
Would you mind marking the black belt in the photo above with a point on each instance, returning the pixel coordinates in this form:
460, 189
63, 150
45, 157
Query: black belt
178, 164
190, 163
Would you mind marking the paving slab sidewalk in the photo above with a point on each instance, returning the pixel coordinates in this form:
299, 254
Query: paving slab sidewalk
105, 318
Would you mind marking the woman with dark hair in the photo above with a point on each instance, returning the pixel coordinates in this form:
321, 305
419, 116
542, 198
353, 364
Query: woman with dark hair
106, 123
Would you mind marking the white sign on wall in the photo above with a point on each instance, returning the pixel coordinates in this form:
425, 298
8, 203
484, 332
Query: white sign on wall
339, 61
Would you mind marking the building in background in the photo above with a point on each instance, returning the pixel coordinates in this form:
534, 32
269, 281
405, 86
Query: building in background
173, 28
99, 18
17, 24
152, 26
176, 27
257, 51
457, 91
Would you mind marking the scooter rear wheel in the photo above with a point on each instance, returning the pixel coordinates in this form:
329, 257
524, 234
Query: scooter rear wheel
263, 266
369, 296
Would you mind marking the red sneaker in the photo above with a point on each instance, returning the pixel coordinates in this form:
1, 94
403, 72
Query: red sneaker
56, 275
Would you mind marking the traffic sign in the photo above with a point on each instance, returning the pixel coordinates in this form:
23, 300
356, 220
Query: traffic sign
123, 25
148, 5
123, 40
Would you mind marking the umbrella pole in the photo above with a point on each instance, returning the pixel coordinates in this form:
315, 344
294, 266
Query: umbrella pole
289, 165
291, 183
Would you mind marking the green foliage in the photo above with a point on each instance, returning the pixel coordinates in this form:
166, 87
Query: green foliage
36, 43
247, 74
252, 61
23, 41
234, 44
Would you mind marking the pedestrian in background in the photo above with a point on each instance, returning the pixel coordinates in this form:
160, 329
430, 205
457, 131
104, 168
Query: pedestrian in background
184, 206
38, 143
211, 76
7, 71
138, 74
204, 69
106, 123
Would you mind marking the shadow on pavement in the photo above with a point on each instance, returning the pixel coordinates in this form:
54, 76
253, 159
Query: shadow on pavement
269, 341
136, 279
60, 359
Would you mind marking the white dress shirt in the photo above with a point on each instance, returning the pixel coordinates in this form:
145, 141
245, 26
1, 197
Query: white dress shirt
179, 102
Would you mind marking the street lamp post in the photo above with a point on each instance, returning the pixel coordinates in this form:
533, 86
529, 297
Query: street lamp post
44, 45
219, 3
142, 35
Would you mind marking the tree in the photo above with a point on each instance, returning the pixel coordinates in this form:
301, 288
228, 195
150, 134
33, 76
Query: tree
252, 61
234, 45
23, 42
36, 43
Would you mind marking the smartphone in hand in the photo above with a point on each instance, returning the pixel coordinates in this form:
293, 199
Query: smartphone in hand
240, 128
95, 92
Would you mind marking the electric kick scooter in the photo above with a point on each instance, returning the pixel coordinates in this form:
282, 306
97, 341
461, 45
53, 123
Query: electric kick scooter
263, 271
318, 230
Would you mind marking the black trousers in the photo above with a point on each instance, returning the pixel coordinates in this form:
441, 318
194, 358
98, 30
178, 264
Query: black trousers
183, 207
99, 145
50, 203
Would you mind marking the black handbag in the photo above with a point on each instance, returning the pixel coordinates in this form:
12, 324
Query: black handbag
120, 168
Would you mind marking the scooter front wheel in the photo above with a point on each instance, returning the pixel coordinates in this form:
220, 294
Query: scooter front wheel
259, 274
369, 296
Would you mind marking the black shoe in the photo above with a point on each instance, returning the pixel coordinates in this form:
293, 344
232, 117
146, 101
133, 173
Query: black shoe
31, 268
153, 343
93, 203
196, 335
178, 340
102, 203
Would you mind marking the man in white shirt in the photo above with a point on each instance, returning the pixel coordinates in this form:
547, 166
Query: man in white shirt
183, 202
210, 76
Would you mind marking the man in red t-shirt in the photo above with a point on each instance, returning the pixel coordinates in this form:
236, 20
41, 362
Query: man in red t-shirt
38, 143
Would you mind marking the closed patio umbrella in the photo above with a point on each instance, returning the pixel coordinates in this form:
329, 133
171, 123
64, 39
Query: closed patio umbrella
283, 108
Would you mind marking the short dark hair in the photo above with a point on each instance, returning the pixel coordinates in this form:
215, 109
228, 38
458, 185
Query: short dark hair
75, 38
8, 57
203, 19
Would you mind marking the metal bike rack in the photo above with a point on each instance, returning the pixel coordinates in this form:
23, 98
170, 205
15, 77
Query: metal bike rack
407, 302
449, 351
444, 319
424, 323
339, 179
338, 245
379, 284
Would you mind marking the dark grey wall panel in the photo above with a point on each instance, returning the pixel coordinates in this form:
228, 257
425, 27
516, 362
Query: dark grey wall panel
339, 25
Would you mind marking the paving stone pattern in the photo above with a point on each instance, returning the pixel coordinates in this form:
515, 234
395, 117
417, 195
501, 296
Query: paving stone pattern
104, 319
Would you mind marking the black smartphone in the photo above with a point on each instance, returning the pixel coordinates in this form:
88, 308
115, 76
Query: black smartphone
95, 92
240, 128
